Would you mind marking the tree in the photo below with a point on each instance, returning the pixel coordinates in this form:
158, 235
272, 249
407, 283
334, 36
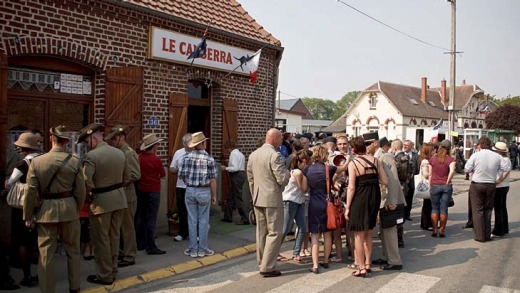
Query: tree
343, 104
504, 117
320, 109
510, 101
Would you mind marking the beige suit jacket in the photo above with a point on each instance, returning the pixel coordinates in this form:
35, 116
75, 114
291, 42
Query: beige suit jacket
70, 178
135, 171
104, 166
393, 192
267, 177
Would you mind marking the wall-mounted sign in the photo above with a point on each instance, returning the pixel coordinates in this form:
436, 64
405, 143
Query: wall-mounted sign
153, 122
171, 46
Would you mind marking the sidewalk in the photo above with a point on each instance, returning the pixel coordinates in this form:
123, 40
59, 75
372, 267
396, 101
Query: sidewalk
228, 241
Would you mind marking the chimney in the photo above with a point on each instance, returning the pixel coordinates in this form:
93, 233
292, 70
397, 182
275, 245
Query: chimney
463, 82
443, 92
424, 89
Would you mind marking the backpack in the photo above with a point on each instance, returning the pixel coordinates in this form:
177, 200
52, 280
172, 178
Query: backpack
404, 167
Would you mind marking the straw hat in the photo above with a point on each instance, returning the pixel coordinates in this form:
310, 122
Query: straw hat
60, 131
149, 140
116, 130
197, 138
88, 130
500, 147
27, 140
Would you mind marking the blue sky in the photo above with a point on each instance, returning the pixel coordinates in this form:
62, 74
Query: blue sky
331, 49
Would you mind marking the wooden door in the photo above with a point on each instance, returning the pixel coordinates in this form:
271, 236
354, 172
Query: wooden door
229, 132
3, 114
124, 101
177, 127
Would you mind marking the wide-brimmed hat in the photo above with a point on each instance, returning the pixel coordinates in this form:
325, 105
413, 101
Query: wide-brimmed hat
116, 130
27, 140
446, 144
500, 147
88, 130
60, 132
149, 140
197, 138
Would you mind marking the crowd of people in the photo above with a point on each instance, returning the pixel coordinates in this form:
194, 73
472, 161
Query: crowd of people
105, 206
369, 175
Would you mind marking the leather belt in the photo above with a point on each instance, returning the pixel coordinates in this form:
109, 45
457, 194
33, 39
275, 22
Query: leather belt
107, 188
198, 186
57, 195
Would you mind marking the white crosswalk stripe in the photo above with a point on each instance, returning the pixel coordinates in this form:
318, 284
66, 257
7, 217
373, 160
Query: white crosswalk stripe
491, 289
413, 283
312, 282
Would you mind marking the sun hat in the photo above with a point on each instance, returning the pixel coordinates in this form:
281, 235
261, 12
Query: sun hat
27, 140
197, 138
149, 140
500, 147
60, 131
116, 130
88, 130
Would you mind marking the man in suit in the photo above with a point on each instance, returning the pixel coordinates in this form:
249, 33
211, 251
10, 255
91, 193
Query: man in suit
267, 177
106, 173
391, 196
409, 150
117, 139
56, 181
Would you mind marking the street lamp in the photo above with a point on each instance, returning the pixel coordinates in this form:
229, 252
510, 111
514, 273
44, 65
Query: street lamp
453, 51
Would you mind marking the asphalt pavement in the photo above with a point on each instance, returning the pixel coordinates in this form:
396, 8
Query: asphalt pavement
227, 240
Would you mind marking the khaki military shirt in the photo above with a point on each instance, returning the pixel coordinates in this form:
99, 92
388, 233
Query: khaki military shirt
135, 171
70, 178
105, 166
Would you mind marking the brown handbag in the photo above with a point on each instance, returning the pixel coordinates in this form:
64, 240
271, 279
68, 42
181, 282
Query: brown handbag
335, 212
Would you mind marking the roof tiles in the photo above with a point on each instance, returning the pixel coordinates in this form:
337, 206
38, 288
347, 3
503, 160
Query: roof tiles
227, 15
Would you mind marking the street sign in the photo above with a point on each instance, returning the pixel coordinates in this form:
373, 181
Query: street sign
153, 122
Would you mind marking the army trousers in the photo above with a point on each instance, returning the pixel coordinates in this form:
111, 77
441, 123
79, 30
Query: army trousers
105, 235
68, 233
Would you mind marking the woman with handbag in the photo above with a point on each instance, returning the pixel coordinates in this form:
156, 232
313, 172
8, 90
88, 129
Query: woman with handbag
318, 193
23, 239
442, 169
363, 201
294, 197
426, 210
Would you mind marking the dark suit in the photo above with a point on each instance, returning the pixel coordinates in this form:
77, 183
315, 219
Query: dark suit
410, 190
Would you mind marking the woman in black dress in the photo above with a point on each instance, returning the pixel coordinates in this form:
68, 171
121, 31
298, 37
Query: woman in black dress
363, 201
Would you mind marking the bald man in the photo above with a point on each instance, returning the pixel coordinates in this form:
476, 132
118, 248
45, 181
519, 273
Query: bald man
267, 177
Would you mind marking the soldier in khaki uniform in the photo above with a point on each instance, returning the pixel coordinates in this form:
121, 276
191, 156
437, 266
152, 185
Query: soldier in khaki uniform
106, 173
117, 138
55, 180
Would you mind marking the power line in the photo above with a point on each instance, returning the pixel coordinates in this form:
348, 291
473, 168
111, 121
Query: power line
390, 27
289, 95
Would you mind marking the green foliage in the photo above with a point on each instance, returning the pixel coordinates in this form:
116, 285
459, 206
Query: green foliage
509, 101
504, 117
323, 109
343, 104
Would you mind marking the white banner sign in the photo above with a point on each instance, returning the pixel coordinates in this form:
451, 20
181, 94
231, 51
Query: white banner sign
171, 46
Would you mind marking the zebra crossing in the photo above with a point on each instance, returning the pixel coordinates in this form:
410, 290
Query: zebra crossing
242, 277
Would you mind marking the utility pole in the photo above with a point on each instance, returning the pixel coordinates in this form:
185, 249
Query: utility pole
451, 104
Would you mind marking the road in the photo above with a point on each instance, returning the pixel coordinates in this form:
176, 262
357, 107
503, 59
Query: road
456, 263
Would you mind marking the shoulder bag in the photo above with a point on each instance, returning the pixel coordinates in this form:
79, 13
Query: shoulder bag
335, 212
422, 187
390, 218
16, 194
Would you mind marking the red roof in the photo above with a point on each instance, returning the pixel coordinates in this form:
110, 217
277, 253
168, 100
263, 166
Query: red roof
227, 15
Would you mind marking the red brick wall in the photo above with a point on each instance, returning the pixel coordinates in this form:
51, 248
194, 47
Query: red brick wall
91, 32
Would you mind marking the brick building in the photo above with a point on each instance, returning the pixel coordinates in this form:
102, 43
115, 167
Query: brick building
74, 62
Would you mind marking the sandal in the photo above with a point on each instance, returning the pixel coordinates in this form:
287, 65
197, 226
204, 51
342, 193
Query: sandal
336, 260
281, 258
352, 266
297, 259
360, 273
368, 268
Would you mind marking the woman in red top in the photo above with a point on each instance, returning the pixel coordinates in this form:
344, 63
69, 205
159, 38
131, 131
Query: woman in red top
442, 169
148, 195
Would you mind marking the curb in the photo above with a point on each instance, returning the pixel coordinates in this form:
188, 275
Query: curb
173, 270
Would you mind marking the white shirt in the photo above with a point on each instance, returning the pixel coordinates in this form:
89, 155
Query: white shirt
485, 166
505, 182
179, 154
237, 161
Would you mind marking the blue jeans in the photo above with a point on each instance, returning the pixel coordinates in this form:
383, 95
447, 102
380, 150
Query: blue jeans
440, 196
198, 201
146, 219
296, 212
